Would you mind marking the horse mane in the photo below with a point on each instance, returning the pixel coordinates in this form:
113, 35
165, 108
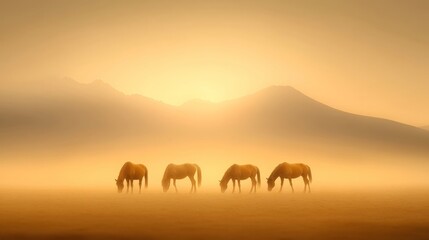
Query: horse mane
165, 176
274, 173
226, 177
121, 175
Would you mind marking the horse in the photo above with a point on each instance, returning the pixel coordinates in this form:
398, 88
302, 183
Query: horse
174, 172
130, 172
289, 171
240, 172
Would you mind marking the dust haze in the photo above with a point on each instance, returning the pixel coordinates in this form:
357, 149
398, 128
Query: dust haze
53, 130
340, 86
65, 142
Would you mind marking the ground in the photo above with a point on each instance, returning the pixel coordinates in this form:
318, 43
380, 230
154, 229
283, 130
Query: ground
60, 214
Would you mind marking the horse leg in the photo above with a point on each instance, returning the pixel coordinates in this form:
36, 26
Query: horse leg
281, 183
239, 186
128, 184
132, 189
140, 185
174, 184
305, 183
194, 185
253, 185
290, 182
233, 185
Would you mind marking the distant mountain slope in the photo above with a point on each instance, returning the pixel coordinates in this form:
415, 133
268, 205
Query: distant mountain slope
67, 112
284, 111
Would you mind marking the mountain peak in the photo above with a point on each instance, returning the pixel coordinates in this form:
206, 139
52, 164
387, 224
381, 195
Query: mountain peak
279, 93
280, 89
99, 84
102, 86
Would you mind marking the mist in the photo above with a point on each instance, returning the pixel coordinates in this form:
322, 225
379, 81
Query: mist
64, 144
330, 91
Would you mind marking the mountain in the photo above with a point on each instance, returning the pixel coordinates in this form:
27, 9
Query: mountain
426, 127
64, 113
284, 111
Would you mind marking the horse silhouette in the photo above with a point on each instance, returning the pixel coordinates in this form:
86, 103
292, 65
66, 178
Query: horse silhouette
174, 172
240, 172
290, 171
130, 172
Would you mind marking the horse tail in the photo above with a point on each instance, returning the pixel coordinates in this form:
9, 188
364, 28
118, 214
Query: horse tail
145, 179
199, 174
258, 176
309, 174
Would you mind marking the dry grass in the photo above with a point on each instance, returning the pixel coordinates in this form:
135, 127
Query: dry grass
107, 215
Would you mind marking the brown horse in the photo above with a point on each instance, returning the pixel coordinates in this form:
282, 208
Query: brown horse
130, 172
289, 171
240, 172
179, 172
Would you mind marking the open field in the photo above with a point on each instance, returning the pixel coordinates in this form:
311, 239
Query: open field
61, 214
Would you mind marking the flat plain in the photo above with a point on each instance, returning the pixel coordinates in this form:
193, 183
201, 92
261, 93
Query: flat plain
84, 214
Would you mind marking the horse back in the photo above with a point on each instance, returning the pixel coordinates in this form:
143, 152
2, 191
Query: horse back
133, 171
290, 170
180, 171
242, 172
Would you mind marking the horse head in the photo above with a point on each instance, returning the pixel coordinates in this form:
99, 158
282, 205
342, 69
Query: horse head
165, 184
223, 186
120, 185
270, 183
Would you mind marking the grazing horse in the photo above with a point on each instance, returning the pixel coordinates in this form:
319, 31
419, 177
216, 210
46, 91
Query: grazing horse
174, 172
289, 171
240, 172
130, 172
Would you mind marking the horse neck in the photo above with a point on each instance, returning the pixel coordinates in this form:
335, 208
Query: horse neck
275, 174
121, 176
226, 177
166, 176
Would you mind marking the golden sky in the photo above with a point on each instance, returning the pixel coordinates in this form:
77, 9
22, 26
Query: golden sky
367, 57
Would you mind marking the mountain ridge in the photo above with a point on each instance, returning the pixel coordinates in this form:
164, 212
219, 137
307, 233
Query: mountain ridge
97, 112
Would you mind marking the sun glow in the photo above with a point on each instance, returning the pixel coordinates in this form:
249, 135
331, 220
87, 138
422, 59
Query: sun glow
214, 82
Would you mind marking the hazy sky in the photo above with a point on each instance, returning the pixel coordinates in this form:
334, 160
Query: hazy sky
367, 57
